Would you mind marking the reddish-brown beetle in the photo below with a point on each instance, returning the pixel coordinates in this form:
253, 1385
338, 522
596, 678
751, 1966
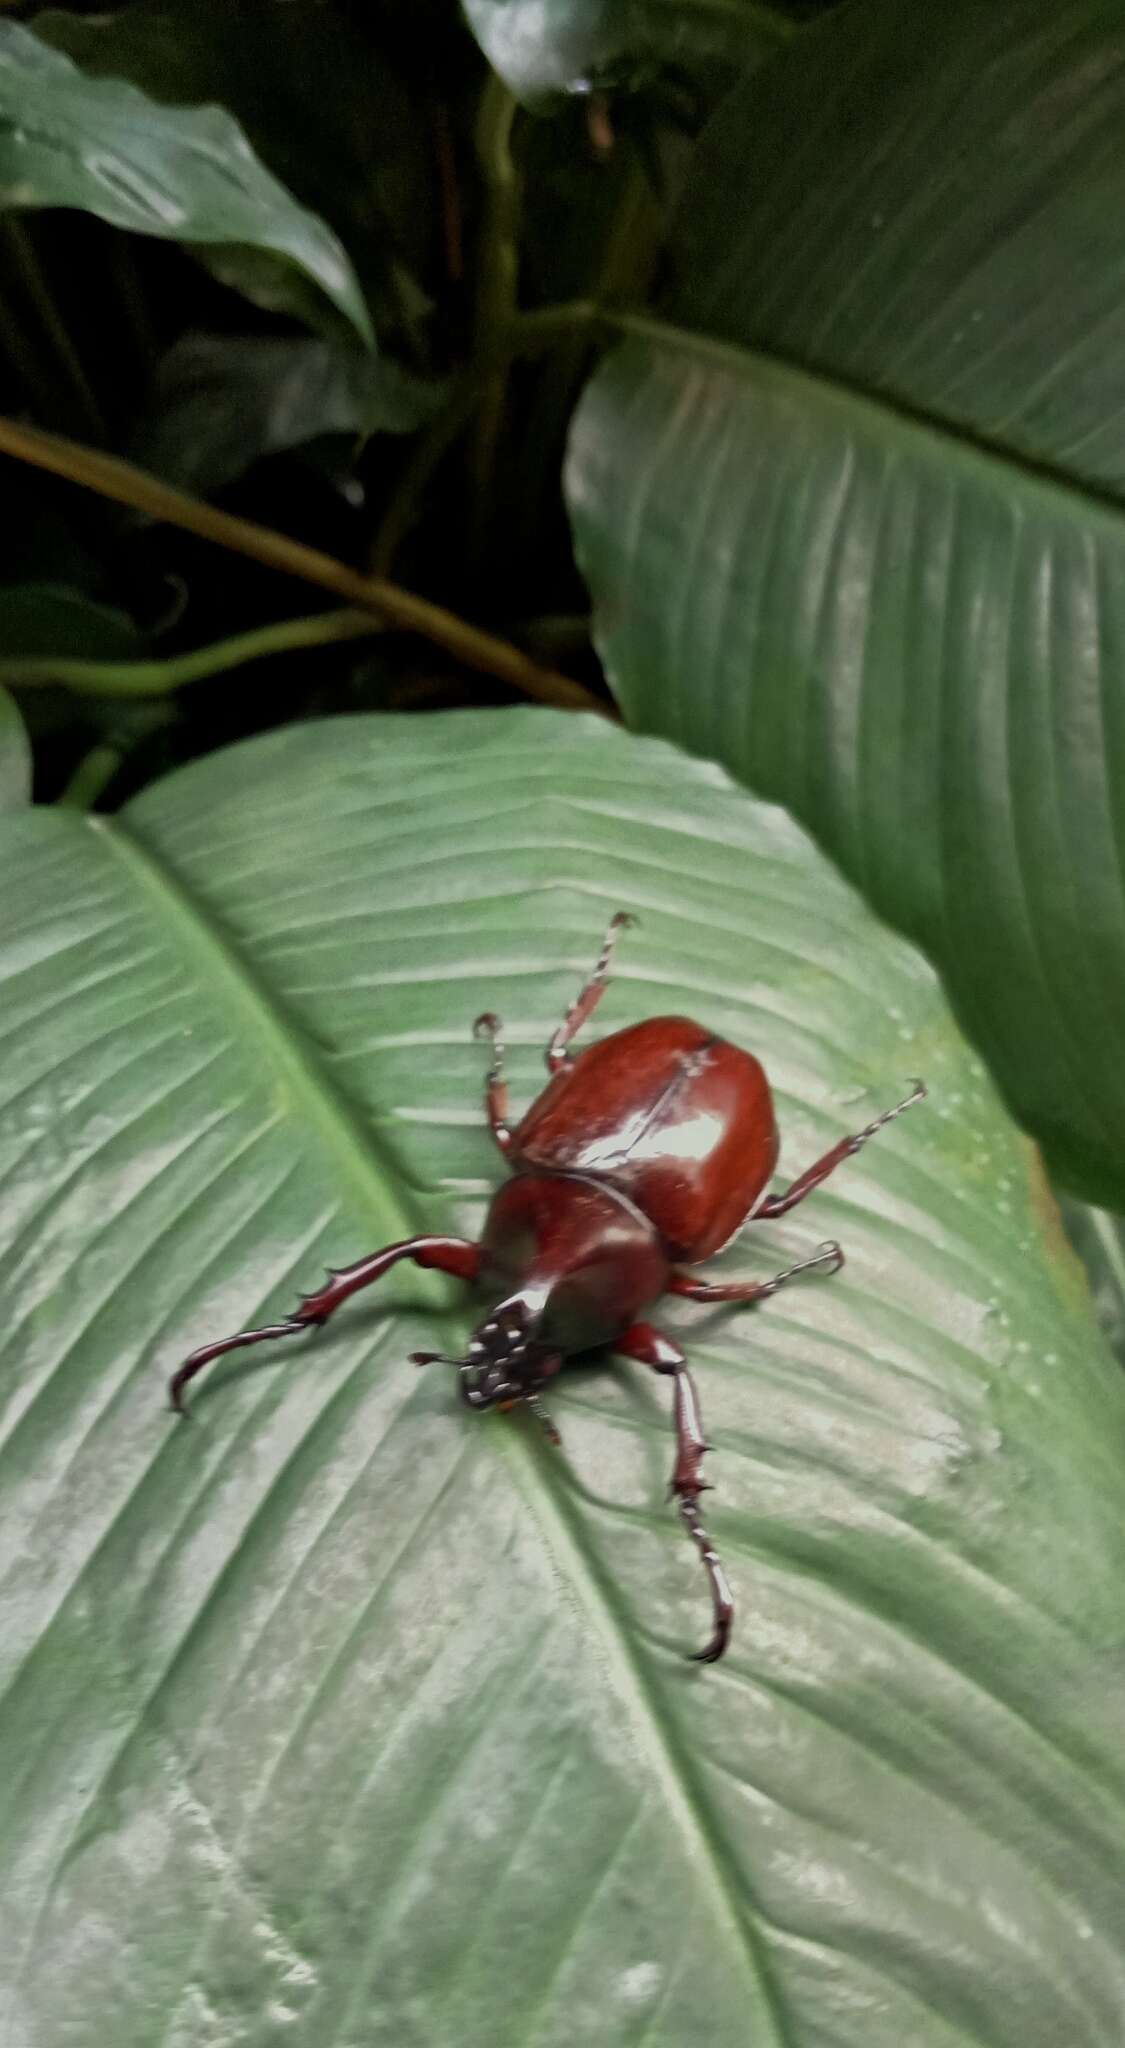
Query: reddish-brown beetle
649, 1150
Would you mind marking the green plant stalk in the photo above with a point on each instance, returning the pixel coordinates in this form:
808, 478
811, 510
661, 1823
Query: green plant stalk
126, 485
622, 277
425, 457
94, 773
35, 380
29, 269
132, 298
160, 678
497, 296
529, 334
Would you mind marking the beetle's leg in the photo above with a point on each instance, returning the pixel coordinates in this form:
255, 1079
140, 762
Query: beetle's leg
542, 1418
495, 1088
589, 995
454, 1255
829, 1254
779, 1205
651, 1347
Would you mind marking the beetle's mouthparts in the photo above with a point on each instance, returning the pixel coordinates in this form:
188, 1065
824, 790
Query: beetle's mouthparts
503, 1362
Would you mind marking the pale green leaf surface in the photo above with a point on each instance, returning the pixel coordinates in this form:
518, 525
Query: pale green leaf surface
15, 756
340, 1717
185, 174
846, 513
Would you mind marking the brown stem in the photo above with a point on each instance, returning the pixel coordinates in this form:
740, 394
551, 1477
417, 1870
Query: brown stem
127, 485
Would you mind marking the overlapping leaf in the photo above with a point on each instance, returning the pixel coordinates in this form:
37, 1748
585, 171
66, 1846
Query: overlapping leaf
322, 101
574, 45
219, 405
185, 174
340, 1715
851, 516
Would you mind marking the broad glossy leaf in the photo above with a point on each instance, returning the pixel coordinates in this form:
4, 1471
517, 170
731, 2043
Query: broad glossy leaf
850, 517
221, 403
15, 756
321, 99
185, 174
549, 46
341, 1716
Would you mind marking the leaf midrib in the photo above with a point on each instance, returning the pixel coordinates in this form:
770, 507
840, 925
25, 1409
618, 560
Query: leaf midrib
371, 1172
938, 437
355, 1148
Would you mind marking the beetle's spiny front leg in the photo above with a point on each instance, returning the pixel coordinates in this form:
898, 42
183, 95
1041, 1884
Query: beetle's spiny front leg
651, 1347
455, 1255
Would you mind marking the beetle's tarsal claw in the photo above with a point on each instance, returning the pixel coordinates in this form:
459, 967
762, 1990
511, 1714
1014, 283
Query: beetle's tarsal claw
543, 1419
713, 1651
722, 1601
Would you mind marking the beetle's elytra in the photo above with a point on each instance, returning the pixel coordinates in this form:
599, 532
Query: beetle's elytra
647, 1151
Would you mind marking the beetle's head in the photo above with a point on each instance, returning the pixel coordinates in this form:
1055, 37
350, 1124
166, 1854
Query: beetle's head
506, 1359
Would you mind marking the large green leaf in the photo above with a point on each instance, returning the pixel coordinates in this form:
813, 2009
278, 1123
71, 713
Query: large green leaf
340, 1716
549, 46
849, 515
185, 174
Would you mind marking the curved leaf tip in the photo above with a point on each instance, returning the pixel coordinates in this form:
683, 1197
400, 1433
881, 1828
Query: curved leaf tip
182, 173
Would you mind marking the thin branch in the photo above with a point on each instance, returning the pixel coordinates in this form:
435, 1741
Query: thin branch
160, 678
126, 485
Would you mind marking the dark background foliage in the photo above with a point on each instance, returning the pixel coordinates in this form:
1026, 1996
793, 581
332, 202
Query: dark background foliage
369, 115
